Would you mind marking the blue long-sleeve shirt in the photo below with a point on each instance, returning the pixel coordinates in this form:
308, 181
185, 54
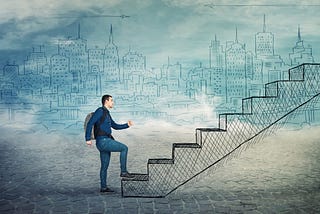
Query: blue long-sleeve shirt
106, 125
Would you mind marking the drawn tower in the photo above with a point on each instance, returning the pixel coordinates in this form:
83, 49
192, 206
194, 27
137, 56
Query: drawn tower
272, 64
235, 72
111, 60
300, 54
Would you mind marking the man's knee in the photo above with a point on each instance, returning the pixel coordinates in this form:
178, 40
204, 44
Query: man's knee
122, 146
125, 148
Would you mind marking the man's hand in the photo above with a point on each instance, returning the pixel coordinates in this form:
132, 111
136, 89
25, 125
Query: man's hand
89, 142
130, 123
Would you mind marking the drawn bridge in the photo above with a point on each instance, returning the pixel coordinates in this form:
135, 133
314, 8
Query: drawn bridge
260, 116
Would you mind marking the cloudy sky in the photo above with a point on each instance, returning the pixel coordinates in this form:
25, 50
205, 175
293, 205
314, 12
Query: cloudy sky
179, 29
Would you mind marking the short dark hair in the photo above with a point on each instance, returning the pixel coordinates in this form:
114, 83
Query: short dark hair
104, 98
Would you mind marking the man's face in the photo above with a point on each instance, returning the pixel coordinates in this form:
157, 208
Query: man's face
109, 103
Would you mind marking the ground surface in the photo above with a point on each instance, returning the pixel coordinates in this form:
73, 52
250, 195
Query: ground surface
50, 173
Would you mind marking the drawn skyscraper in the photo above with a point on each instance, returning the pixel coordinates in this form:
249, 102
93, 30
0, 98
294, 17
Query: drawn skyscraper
216, 86
76, 51
95, 74
300, 54
216, 54
95, 60
61, 78
235, 72
264, 42
111, 60
272, 65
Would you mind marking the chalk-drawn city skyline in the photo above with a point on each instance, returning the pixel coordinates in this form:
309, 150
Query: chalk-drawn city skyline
67, 81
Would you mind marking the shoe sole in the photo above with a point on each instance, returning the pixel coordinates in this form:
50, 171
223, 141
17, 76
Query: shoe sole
107, 192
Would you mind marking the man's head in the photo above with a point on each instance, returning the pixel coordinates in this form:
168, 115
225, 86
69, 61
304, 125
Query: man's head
107, 101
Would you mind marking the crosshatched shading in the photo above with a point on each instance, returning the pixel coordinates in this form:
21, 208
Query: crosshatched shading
260, 116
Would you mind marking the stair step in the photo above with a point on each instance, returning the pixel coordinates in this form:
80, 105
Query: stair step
160, 161
210, 130
137, 177
186, 145
248, 127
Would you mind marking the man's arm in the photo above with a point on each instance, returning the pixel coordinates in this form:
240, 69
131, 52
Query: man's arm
116, 126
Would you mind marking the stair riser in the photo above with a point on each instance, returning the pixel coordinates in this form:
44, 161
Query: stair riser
260, 117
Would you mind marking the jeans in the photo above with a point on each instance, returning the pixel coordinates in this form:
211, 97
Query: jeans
106, 145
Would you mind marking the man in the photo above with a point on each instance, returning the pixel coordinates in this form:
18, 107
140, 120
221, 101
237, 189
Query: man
105, 143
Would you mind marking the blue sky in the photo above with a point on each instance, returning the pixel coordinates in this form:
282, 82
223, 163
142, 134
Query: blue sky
179, 29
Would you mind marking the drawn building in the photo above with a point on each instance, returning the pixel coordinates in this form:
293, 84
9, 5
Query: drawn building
95, 57
133, 62
217, 82
9, 83
255, 80
272, 64
76, 76
207, 82
216, 54
300, 54
76, 51
264, 42
197, 83
93, 84
35, 62
216, 79
171, 81
235, 72
10, 74
61, 77
134, 68
111, 60
151, 90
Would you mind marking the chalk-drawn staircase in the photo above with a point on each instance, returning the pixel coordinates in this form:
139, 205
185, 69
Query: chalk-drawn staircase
259, 117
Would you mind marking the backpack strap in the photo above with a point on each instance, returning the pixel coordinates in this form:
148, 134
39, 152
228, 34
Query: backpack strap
97, 130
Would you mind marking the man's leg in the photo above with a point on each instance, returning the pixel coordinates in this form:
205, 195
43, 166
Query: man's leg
105, 160
116, 146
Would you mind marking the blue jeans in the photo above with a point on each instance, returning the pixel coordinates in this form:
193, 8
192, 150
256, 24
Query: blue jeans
106, 145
